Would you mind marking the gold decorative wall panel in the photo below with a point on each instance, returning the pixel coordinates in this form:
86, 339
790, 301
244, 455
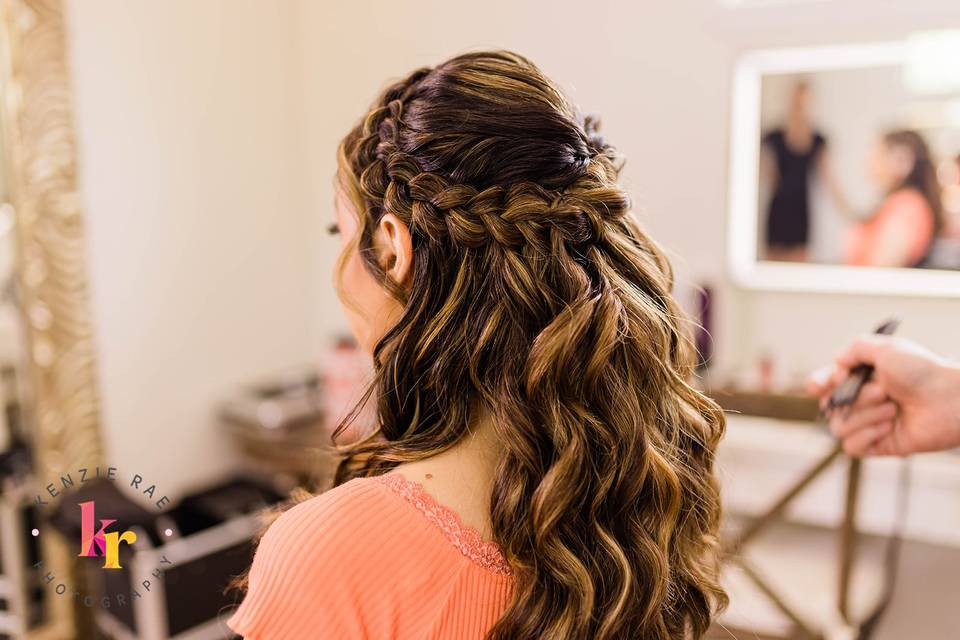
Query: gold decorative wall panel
41, 178
42, 172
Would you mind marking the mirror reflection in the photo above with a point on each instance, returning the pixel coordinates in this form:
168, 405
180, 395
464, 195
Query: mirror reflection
859, 167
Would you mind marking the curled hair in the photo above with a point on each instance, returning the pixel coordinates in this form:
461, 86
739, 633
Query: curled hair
539, 303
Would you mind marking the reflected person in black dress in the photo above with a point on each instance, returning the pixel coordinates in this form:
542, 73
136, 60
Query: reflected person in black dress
792, 155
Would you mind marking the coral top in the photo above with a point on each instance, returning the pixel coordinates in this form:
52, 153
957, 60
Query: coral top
373, 558
904, 217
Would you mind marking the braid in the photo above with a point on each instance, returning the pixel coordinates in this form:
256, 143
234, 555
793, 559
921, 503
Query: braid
514, 215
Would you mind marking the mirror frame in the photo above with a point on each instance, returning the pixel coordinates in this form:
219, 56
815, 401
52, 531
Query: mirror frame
40, 161
743, 209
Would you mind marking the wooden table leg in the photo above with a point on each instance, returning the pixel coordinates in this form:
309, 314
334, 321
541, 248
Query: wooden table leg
805, 631
848, 538
734, 545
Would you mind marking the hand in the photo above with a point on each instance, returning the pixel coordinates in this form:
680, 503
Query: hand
911, 404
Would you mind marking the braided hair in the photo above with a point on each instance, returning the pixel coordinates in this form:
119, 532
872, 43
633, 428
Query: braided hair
539, 302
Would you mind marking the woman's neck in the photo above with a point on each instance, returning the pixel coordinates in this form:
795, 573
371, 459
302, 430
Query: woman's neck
798, 133
461, 477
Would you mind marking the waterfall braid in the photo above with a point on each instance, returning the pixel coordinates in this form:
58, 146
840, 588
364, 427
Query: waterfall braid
538, 302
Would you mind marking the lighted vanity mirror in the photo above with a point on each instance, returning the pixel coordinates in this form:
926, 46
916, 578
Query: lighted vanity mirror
845, 167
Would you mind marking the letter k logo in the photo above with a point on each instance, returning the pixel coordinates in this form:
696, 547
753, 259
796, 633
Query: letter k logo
92, 543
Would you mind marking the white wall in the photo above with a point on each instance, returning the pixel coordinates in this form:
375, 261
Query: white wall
199, 233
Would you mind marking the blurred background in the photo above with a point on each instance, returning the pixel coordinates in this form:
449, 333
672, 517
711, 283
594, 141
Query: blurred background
200, 163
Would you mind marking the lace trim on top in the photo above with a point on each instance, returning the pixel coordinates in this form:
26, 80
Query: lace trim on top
468, 540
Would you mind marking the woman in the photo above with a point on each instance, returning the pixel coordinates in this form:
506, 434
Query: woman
900, 233
792, 156
541, 467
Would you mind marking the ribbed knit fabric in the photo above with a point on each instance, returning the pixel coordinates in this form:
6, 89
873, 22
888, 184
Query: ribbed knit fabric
375, 558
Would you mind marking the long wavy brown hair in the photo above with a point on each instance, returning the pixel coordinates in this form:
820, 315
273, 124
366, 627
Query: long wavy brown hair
538, 302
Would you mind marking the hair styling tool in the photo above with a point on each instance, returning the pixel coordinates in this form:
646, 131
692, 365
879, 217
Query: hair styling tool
843, 398
847, 391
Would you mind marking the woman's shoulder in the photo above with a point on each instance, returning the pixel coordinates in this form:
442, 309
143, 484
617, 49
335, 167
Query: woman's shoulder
908, 198
346, 514
354, 493
773, 136
322, 533
351, 541
371, 520
361, 560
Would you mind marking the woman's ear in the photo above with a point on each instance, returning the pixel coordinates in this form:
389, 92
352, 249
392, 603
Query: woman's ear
394, 248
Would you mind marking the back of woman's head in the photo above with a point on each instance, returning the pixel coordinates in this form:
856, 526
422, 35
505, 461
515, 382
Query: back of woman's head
537, 302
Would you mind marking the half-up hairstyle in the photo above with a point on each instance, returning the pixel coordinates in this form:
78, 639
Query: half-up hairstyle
538, 302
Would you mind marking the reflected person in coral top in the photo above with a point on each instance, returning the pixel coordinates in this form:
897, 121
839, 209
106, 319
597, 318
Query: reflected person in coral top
900, 233
541, 467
